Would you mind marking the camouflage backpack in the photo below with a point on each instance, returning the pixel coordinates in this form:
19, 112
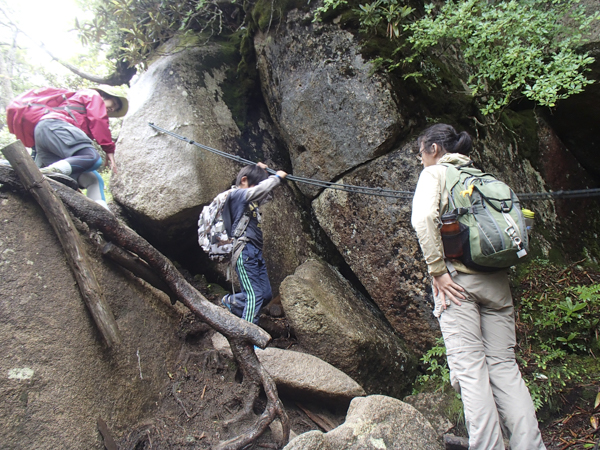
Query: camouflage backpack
492, 226
212, 232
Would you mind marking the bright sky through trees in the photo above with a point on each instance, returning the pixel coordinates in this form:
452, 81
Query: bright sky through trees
51, 22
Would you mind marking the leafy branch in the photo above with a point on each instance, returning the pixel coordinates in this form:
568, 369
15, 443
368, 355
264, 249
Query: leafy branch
133, 29
512, 48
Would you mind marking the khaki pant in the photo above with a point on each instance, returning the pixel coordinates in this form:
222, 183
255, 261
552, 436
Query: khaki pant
480, 340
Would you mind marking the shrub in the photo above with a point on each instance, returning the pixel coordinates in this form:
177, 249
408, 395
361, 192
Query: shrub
510, 49
558, 328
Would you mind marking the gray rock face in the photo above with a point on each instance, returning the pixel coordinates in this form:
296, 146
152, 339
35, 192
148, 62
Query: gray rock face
434, 406
308, 378
374, 423
376, 238
332, 113
332, 321
302, 376
162, 179
164, 182
57, 378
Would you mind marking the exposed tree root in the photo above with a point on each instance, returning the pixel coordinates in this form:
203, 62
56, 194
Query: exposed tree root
255, 373
242, 335
247, 409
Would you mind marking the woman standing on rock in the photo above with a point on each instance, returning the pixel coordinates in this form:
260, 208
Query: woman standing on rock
475, 311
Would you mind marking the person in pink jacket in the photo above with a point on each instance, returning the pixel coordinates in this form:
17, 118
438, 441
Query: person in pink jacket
63, 138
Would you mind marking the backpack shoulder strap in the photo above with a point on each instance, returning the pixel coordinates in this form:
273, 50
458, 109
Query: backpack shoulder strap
242, 224
452, 179
228, 220
226, 213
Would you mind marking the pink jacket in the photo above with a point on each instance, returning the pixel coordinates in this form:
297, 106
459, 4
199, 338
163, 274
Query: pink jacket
94, 122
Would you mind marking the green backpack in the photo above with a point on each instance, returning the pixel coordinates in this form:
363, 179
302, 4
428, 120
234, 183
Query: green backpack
492, 228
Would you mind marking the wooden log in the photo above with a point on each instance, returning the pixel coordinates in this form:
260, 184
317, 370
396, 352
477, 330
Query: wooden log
137, 267
452, 442
63, 226
98, 217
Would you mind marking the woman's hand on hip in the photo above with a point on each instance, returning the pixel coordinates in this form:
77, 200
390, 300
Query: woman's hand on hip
446, 289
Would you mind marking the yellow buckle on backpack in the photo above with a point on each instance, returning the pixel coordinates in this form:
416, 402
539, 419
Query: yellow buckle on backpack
469, 191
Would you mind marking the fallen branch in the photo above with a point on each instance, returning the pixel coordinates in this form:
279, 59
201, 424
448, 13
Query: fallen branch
38, 186
325, 424
455, 442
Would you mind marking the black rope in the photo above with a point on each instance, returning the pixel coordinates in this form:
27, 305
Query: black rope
582, 193
380, 192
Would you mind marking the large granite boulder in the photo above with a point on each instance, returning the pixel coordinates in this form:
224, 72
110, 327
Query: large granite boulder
58, 378
333, 113
374, 423
307, 378
334, 322
376, 238
301, 376
374, 234
437, 407
162, 180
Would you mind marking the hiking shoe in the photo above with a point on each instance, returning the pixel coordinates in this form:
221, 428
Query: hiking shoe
63, 179
50, 169
225, 302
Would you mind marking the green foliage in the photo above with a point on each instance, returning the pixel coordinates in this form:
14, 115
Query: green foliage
558, 328
328, 6
510, 49
434, 361
133, 29
379, 17
566, 319
388, 12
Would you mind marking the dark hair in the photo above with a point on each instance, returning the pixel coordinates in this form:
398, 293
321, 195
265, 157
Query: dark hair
117, 100
253, 173
446, 136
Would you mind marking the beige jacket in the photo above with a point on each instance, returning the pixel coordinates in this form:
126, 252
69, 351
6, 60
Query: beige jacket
429, 203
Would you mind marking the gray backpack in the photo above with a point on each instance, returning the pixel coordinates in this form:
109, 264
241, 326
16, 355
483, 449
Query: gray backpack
212, 228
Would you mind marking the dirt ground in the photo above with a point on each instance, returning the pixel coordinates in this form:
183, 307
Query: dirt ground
205, 390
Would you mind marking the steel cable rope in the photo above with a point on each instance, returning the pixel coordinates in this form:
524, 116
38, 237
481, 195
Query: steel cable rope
325, 184
380, 192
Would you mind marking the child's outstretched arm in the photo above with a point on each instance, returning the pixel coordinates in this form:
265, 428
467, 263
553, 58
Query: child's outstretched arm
279, 173
262, 189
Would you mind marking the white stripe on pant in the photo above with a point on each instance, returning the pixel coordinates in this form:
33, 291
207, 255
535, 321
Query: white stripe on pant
480, 340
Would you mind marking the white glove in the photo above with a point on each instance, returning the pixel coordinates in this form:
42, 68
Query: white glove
439, 307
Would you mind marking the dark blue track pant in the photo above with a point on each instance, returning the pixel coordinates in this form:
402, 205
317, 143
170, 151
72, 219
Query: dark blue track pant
254, 282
